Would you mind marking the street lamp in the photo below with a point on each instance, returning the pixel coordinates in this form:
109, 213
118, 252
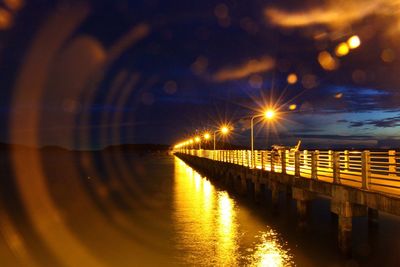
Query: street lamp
223, 130
197, 139
206, 137
269, 114
191, 143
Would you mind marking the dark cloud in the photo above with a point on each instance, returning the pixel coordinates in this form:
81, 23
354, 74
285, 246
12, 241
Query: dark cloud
381, 123
357, 124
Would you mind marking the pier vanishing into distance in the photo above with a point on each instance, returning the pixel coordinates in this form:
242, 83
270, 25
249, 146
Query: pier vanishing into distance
358, 183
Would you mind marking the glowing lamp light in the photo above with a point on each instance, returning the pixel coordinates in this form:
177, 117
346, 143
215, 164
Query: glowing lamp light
292, 78
197, 139
269, 114
354, 42
191, 141
224, 129
207, 136
342, 49
327, 61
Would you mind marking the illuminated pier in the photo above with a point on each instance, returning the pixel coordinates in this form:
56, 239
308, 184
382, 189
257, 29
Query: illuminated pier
358, 183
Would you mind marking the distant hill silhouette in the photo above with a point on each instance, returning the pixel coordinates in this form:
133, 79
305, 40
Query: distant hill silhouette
138, 147
123, 147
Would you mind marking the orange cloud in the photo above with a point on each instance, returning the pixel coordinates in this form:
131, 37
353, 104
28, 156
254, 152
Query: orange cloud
250, 67
333, 13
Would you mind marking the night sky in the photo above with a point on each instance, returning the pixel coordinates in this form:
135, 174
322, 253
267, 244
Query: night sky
87, 74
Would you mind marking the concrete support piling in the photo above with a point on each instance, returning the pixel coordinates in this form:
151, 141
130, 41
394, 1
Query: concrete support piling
243, 186
257, 189
346, 211
273, 186
345, 225
303, 198
301, 206
373, 217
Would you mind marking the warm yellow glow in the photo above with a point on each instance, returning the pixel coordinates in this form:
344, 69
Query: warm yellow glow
354, 42
270, 253
191, 141
327, 61
292, 106
292, 78
206, 216
207, 136
269, 114
252, 66
224, 129
209, 217
197, 139
338, 95
342, 49
227, 229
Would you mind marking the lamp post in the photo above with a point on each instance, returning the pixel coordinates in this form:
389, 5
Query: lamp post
268, 115
224, 130
197, 139
191, 143
206, 137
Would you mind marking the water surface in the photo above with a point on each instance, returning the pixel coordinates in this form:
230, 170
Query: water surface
125, 209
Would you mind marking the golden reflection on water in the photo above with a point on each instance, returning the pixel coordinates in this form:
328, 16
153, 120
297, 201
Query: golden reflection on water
209, 231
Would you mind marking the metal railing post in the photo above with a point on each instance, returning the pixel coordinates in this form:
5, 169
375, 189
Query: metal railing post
272, 161
330, 158
346, 159
365, 169
254, 159
392, 162
262, 160
297, 163
283, 160
305, 157
314, 164
336, 167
